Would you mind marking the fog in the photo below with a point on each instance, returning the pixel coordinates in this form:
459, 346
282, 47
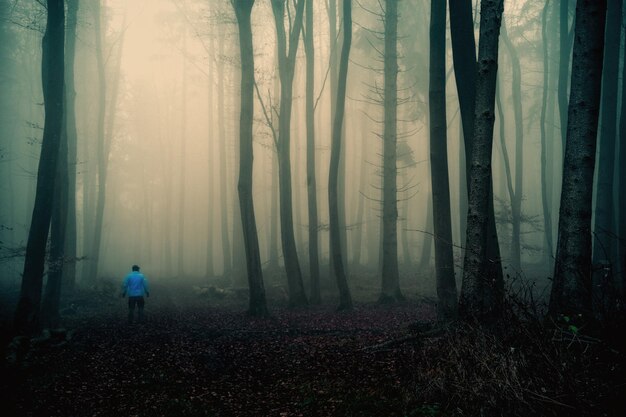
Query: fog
171, 136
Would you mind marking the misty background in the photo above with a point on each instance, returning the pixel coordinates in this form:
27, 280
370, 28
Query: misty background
170, 150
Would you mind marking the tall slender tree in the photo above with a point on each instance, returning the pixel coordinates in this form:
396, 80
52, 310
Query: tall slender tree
390, 289
27, 315
465, 73
69, 270
286, 67
603, 230
545, 164
258, 305
571, 286
345, 299
314, 267
515, 185
482, 289
444, 260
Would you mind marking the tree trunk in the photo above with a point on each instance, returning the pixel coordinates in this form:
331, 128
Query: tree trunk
26, 320
314, 267
345, 299
444, 259
482, 289
390, 290
545, 165
571, 286
621, 188
565, 49
464, 62
94, 253
516, 196
258, 306
604, 230
465, 71
226, 248
286, 64
182, 164
69, 269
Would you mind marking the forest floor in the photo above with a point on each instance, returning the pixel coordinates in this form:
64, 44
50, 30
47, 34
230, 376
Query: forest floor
198, 355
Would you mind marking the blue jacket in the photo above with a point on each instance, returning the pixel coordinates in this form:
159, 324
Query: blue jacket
135, 285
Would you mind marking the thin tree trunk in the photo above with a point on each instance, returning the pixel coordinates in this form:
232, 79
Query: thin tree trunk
226, 248
390, 290
26, 320
258, 305
482, 289
444, 259
571, 286
465, 71
345, 299
69, 269
517, 193
314, 268
182, 164
286, 64
565, 49
545, 195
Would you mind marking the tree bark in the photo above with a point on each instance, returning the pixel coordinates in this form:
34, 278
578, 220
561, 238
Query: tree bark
444, 259
465, 73
603, 230
26, 320
482, 288
390, 289
345, 299
571, 286
286, 65
545, 165
314, 267
516, 193
69, 269
226, 247
258, 305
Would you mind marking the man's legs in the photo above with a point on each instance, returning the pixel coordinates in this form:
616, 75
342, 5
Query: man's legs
140, 304
131, 308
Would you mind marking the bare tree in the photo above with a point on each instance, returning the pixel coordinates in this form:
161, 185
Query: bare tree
605, 242
286, 65
27, 314
444, 261
345, 299
482, 288
258, 306
390, 290
571, 286
311, 182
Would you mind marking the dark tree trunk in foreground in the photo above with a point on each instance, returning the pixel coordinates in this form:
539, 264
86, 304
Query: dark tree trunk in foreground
444, 259
482, 289
571, 286
345, 299
390, 290
286, 65
311, 182
27, 312
464, 60
621, 189
604, 230
258, 306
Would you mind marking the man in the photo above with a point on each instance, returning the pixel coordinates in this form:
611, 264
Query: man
135, 285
